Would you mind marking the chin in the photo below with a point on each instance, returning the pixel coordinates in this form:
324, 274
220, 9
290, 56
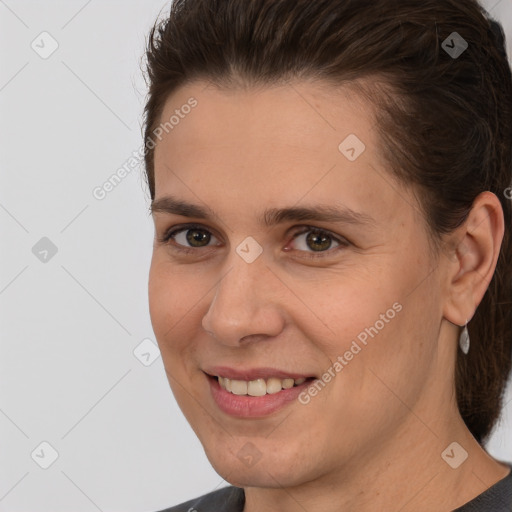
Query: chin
262, 475
248, 467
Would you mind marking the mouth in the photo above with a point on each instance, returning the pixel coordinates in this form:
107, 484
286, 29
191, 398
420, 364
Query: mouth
259, 387
256, 392
256, 398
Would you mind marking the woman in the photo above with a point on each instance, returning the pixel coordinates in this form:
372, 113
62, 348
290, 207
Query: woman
331, 279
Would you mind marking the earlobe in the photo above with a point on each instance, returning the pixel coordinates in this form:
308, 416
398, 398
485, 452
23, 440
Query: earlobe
478, 243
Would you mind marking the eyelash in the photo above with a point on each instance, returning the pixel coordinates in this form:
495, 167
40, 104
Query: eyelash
169, 234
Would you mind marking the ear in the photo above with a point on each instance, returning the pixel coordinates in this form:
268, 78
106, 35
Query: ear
475, 249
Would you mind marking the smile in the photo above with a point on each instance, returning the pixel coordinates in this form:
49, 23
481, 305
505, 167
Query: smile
258, 387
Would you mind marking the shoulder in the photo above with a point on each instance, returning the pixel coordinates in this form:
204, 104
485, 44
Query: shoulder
227, 499
497, 498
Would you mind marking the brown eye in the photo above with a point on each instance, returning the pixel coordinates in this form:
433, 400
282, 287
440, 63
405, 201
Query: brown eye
318, 241
314, 240
197, 237
188, 238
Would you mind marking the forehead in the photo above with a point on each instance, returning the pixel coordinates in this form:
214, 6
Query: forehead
301, 116
286, 143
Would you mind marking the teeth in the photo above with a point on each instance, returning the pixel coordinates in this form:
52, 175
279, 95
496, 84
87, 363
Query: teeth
288, 383
258, 387
273, 386
239, 387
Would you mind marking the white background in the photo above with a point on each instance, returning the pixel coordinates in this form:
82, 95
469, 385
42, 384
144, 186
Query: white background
68, 375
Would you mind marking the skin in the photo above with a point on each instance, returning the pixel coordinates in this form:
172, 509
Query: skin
372, 438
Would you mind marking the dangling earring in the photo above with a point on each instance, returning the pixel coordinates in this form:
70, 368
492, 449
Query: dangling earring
464, 339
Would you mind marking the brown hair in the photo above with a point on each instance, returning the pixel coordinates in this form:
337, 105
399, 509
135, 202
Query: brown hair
445, 122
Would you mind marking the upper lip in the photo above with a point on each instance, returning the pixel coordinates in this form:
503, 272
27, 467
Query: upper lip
253, 373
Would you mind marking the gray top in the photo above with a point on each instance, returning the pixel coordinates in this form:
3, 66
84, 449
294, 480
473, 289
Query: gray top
497, 498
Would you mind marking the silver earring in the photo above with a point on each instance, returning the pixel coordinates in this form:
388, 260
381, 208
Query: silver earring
464, 339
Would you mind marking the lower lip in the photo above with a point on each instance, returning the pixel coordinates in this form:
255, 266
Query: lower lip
243, 406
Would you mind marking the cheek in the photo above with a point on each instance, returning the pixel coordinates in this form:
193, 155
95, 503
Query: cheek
355, 306
177, 300
173, 302
370, 326
169, 301
161, 300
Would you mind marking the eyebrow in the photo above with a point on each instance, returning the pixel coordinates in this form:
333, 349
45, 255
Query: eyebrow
272, 216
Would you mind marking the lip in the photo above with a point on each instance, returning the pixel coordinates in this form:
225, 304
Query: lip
253, 373
243, 406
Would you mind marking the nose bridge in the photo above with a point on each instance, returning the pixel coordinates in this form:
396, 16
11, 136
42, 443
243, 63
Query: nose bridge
242, 304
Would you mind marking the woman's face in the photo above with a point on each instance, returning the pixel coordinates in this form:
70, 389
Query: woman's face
262, 289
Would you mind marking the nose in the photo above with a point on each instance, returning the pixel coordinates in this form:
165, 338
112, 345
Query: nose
245, 306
